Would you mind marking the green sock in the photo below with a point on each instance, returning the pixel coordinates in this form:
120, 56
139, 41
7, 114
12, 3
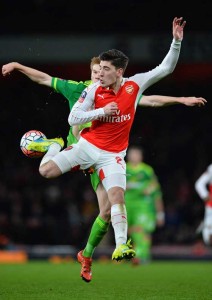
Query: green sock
98, 230
142, 245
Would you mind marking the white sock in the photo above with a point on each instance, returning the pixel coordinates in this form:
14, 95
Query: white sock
53, 150
119, 223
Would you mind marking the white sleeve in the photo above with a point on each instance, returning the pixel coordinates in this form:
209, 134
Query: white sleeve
201, 185
167, 66
82, 111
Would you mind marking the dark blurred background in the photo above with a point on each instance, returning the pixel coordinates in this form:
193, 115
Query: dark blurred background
59, 38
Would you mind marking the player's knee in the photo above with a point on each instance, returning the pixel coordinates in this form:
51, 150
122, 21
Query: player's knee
116, 195
47, 172
44, 172
105, 214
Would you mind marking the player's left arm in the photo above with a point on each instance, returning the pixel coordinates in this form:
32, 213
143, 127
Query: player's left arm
160, 212
158, 100
168, 64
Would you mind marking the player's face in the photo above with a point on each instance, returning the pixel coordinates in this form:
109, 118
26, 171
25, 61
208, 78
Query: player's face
109, 74
134, 156
95, 73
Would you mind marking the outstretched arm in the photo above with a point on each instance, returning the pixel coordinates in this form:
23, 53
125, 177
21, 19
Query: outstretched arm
33, 74
167, 66
157, 101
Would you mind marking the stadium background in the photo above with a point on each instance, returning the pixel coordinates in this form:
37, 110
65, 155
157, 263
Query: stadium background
60, 38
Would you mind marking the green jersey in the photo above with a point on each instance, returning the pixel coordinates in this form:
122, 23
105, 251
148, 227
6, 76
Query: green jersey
143, 188
72, 91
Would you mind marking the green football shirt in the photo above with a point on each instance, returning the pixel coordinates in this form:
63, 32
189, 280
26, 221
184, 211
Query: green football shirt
71, 90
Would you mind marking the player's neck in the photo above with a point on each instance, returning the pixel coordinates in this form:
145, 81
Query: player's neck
116, 85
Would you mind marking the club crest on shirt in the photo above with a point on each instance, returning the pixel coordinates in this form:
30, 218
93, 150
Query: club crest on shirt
129, 89
82, 97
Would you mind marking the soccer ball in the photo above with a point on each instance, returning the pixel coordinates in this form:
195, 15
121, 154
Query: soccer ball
27, 138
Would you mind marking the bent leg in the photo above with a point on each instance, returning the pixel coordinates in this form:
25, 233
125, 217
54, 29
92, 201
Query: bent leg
104, 203
101, 223
98, 231
56, 162
50, 170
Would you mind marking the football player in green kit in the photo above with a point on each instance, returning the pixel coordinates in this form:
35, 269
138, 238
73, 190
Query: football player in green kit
72, 91
144, 203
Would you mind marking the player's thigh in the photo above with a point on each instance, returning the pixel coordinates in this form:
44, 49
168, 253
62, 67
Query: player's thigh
112, 161
112, 171
50, 170
115, 183
73, 157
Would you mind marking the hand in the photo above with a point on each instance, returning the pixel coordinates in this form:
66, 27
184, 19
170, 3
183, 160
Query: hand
110, 108
160, 223
195, 101
177, 28
160, 218
6, 69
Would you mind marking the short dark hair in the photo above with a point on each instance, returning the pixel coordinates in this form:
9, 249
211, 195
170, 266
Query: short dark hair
117, 58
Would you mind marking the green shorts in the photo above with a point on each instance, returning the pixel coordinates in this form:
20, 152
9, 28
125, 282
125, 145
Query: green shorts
95, 180
138, 216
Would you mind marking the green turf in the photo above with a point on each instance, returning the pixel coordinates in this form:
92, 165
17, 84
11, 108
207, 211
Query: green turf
157, 281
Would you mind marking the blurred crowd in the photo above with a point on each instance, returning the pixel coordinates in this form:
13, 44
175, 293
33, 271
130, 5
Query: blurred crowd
35, 211
60, 211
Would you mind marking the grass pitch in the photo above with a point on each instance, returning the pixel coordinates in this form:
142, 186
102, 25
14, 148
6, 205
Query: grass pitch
168, 280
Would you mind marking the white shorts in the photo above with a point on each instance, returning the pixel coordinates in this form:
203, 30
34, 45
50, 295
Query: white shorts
111, 167
207, 229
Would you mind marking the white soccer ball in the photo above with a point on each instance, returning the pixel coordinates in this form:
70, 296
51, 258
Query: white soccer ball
27, 138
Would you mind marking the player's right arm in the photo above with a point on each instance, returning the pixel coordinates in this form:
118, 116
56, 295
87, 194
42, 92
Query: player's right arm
33, 74
83, 111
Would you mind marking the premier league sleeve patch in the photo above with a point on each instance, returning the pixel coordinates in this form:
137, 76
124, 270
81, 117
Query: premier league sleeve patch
82, 97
